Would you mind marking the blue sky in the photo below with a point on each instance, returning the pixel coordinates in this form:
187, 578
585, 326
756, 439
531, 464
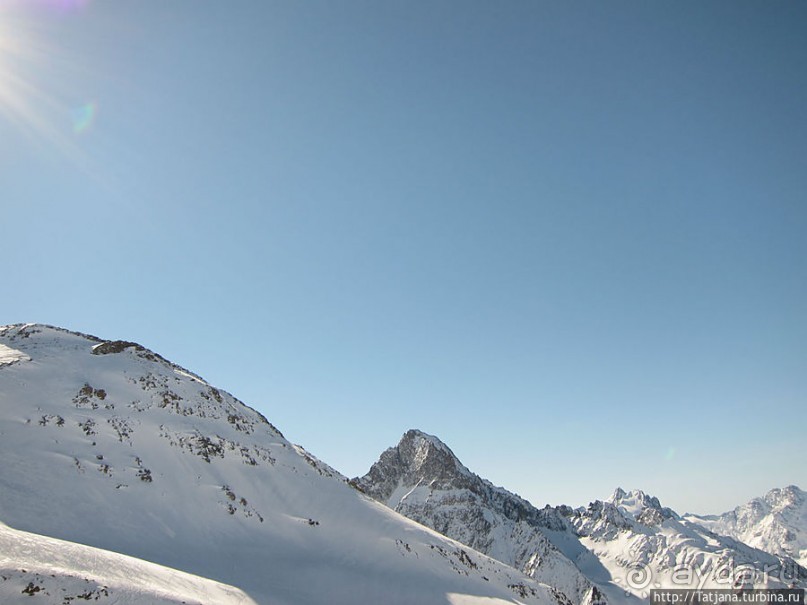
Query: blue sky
568, 238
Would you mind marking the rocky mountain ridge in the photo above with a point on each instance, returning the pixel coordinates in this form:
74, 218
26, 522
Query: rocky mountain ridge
775, 523
109, 445
612, 550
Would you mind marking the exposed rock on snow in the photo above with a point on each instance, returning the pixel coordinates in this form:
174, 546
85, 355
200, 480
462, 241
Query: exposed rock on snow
644, 545
776, 523
422, 479
107, 444
620, 547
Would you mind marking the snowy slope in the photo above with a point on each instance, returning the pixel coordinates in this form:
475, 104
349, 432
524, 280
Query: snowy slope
109, 445
644, 545
776, 523
59, 572
422, 479
9, 356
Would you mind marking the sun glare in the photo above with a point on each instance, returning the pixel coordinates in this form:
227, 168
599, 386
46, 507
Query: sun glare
22, 102
31, 100
8, 79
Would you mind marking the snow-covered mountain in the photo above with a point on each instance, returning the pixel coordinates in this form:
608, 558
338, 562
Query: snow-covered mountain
106, 444
613, 550
644, 545
776, 523
423, 479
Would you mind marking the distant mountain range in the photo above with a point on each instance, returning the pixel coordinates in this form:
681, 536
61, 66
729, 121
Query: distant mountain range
644, 545
129, 479
776, 523
614, 549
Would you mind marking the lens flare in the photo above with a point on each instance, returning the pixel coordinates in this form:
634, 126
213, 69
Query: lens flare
38, 90
83, 117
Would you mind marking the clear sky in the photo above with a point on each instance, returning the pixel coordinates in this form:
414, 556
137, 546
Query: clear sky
568, 238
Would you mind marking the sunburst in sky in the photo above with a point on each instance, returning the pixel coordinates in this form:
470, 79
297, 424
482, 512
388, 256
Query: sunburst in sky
33, 70
16, 91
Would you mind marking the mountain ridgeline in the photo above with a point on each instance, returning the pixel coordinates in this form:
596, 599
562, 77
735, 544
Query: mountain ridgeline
422, 479
613, 550
775, 522
128, 479
108, 445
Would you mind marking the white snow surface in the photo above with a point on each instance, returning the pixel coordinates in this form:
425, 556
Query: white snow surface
105, 444
59, 571
9, 355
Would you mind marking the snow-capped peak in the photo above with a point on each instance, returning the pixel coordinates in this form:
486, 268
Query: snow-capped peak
419, 458
425, 440
423, 479
639, 506
105, 443
780, 499
775, 522
420, 450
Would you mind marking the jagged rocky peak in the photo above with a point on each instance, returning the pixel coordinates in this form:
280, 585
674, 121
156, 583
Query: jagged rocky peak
422, 479
775, 522
641, 507
621, 512
785, 497
425, 453
422, 461
598, 519
778, 502
418, 458
634, 500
